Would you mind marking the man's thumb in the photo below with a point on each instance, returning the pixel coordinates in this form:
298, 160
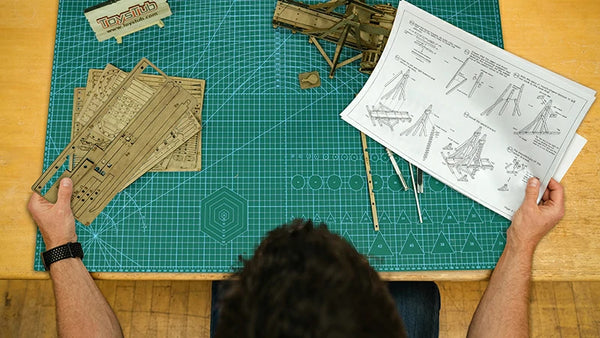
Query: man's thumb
532, 190
65, 190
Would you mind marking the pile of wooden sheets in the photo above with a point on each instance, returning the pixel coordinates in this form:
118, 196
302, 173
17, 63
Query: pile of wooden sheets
124, 125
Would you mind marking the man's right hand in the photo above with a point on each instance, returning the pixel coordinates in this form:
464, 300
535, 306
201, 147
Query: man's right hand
533, 221
56, 221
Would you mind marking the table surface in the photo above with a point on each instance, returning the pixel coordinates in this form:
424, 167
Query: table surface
558, 35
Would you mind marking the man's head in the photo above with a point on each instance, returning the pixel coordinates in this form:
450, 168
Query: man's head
304, 281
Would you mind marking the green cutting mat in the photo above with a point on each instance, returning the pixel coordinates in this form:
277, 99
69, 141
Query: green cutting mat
271, 151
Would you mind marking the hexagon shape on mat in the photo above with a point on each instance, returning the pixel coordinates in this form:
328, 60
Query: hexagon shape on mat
224, 215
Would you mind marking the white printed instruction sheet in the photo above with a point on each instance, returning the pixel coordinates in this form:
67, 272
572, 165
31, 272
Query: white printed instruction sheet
474, 116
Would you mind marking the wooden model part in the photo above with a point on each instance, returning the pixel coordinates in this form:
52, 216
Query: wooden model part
181, 132
79, 95
193, 86
117, 154
188, 156
94, 99
309, 80
168, 151
362, 27
363, 141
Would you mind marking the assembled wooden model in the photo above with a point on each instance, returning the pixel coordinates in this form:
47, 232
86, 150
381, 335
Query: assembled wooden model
361, 27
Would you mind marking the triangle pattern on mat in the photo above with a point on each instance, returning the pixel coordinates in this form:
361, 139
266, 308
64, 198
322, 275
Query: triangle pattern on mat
384, 218
425, 216
499, 243
442, 245
449, 218
499, 219
471, 244
366, 218
346, 236
411, 246
473, 217
403, 219
380, 247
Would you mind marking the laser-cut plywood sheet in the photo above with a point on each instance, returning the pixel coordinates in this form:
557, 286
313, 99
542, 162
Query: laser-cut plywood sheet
271, 151
185, 158
128, 129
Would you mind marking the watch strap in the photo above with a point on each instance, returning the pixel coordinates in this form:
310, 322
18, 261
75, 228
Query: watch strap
69, 250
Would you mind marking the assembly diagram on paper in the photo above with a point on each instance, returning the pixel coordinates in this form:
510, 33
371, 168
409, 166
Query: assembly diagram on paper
476, 117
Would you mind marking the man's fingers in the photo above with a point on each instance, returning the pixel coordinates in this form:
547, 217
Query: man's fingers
65, 190
556, 192
546, 195
532, 191
35, 202
554, 185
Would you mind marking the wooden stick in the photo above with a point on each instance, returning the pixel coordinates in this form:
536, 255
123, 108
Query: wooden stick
363, 140
338, 50
313, 40
350, 60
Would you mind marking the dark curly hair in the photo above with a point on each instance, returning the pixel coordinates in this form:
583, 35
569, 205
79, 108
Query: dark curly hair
304, 281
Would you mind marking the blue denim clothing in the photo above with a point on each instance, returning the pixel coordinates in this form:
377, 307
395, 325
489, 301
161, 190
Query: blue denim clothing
419, 306
417, 302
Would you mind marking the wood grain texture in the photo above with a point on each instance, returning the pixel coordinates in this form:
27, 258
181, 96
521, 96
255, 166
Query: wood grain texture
561, 35
27, 31
182, 308
459, 302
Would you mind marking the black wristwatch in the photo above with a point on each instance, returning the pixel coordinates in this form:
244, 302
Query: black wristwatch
69, 250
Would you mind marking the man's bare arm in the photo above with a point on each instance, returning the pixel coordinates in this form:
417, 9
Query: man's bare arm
503, 309
81, 309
